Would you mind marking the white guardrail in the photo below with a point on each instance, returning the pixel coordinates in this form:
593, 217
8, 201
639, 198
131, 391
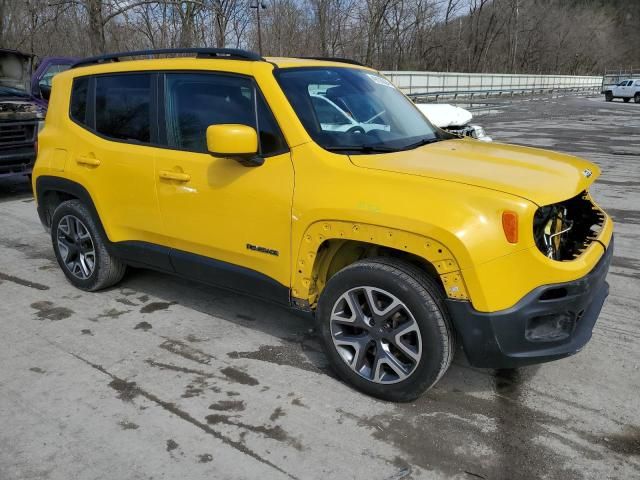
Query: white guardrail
439, 84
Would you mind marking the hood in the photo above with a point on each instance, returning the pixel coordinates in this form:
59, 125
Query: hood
15, 73
541, 176
444, 115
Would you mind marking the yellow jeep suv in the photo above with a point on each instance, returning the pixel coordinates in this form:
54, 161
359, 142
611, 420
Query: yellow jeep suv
316, 184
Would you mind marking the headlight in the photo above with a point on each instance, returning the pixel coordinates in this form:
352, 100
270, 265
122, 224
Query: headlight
40, 125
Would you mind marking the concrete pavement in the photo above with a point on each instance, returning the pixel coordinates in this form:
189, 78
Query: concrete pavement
163, 378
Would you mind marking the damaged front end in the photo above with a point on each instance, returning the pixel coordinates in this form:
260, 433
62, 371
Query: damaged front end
20, 116
453, 119
472, 131
564, 230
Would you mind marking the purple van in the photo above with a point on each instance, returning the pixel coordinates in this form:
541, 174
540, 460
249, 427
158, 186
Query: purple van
23, 104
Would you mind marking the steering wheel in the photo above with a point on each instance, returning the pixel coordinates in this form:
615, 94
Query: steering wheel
356, 129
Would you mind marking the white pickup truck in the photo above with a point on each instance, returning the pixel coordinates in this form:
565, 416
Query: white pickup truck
626, 90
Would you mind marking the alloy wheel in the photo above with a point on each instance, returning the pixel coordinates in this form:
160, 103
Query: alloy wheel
376, 334
76, 247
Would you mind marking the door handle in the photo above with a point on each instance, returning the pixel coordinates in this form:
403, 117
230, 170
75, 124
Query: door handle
88, 161
175, 176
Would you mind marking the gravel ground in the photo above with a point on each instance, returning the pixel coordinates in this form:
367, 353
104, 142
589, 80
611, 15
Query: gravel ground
162, 378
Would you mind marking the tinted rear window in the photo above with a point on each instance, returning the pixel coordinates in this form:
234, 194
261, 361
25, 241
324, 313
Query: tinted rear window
79, 92
123, 107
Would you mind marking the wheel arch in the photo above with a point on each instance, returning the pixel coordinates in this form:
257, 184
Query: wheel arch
329, 246
51, 191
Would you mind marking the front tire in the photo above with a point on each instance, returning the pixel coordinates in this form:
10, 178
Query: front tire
626, 99
385, 328
81, 248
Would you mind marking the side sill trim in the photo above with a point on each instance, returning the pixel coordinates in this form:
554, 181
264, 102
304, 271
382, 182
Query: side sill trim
203, 269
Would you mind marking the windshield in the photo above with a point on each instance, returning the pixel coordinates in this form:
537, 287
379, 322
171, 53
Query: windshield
346, 109
47, 77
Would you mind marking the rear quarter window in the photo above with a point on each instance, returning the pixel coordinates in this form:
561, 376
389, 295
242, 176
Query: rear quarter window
79, 95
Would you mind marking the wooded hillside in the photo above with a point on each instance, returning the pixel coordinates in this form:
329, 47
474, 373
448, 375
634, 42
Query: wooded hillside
511, 36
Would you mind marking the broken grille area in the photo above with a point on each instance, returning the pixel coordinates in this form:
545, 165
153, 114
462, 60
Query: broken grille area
564, 230
16, 133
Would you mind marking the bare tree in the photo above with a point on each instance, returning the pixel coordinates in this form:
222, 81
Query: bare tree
527, 36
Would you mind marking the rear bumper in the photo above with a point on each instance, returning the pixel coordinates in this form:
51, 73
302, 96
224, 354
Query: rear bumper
549, 323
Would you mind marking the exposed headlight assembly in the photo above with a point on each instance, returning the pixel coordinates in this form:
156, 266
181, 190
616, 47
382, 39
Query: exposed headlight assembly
562, 231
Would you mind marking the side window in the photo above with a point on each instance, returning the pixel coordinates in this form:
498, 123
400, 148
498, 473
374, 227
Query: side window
79, 93
193, 101
123, 107
271, 139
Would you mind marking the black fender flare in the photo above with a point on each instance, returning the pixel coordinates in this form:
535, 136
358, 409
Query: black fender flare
47, 184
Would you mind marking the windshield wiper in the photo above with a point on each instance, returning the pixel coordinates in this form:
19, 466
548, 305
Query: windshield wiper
424, 141
362, 149
382, 148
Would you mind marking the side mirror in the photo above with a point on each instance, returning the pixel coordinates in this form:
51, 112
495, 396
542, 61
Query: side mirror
45, 91
239, 142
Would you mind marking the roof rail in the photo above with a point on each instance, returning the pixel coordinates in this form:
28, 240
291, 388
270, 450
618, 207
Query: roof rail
223, 53
336, 59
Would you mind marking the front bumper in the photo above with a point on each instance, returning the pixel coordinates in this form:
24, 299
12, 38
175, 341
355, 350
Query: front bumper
549, 323
17, 161
17, 146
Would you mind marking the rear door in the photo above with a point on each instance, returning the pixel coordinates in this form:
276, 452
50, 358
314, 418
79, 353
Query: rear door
113, 157
228, 223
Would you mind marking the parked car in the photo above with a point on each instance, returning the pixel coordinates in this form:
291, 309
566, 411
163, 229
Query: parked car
453, 119
626, 90
399, 240
23, 102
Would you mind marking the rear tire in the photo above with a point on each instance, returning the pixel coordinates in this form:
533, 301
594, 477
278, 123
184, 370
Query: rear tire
400, 347
636, 98
626, 99
608, 96
81, 248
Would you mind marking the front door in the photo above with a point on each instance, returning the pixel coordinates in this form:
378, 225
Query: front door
228, 224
